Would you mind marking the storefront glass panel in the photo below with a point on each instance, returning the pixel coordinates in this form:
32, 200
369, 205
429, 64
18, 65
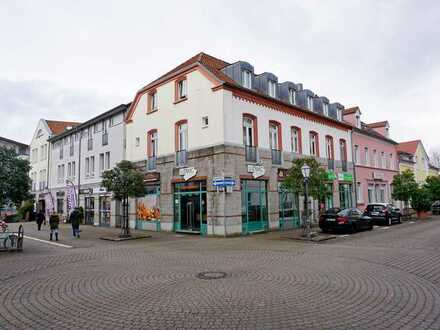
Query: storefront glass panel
190, 210
288, 210
329, 199
104, 211
254, 206
89, 210
345, 195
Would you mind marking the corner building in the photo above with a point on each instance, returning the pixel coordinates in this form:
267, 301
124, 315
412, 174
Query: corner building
209, 121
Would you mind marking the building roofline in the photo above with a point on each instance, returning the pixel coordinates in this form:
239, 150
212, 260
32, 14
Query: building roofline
374, 135
13, 141
118, 109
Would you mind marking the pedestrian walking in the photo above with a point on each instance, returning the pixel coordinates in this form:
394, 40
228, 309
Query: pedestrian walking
40, 217
75, 219
54, 222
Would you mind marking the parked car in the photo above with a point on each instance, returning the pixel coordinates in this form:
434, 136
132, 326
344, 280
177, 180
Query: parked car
350, 219
383, 213
436, 208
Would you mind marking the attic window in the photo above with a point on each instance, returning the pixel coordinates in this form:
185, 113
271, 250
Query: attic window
246, 79
292, 96
272, 88
325, 109
339, 114
310, 103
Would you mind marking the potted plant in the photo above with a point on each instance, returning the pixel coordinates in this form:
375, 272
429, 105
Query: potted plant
421, 202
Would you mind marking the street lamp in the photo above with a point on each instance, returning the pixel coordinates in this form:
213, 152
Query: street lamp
305, 170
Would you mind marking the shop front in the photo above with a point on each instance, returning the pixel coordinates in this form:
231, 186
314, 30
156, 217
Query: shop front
89, 210
104, 211
288, 210
345, 190
148, 208
254, 206
190, 209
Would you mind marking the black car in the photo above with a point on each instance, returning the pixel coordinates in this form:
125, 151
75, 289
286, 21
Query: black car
436, 208
350, 220
382, 213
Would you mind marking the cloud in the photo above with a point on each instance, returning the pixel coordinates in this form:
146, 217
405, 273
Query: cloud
23, 103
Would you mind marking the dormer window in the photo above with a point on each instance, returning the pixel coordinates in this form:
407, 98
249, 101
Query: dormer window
292, 96
339, 113
310, 103
358, 121
152, 101
325, 109
246, 79
272, 88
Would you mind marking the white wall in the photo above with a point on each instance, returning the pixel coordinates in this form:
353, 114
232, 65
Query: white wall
235, 107
202, 101
36, 143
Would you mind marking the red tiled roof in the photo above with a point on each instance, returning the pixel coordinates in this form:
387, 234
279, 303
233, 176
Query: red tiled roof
409, 147
378, 124
349, 111
58, 127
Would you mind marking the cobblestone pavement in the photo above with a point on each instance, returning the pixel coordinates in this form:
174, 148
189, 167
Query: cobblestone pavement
383, 279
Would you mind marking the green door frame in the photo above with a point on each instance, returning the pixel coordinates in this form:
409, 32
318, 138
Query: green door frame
262, 224
178, 194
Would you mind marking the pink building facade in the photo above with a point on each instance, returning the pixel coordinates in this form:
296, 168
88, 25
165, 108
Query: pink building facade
375, 158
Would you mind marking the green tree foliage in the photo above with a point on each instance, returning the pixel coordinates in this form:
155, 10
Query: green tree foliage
317, 181
15, 183
433, 186
124, 181
404, 185
421, 199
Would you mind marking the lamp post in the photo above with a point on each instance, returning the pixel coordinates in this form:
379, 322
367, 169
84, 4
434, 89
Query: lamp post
305, 170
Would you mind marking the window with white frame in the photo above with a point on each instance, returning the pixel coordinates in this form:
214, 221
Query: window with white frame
69, 169
371, 193
392, 162
375, 160
153, 100
366, 156
246, 78
87, 166
313, 144
181, 89
360, 197
325, 108
92, 166
310, 103
339, 114
356, 154
295, 139
343, 149
153, 141
272, 88
274, 136
73, 169
358, 121
329, 147
292, 96
248, 132
107, 160
101, 163
183, 136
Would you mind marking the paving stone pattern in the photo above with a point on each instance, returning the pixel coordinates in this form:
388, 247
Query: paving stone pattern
384, 279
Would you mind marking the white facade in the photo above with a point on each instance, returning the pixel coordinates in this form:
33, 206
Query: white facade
225, 119
82, 155
201, 102
39, 158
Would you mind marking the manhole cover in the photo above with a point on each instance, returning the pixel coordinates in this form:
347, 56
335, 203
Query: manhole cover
211, 275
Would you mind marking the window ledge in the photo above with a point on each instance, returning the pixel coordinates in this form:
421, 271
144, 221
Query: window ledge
152, 111
181, 100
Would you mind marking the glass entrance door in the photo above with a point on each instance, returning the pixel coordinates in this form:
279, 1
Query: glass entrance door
254, 206
288, 210
190, 207
90, 210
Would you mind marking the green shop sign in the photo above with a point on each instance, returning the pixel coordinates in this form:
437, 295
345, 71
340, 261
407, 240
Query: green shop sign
331, 176
345, 176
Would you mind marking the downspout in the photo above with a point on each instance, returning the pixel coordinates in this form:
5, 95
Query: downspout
354, 169
79, 165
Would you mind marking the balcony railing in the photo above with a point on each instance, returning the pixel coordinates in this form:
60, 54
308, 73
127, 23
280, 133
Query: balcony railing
331, 164
89, 144
276, 157
151, 164
344, 166
251, 154
181, 157
104, 139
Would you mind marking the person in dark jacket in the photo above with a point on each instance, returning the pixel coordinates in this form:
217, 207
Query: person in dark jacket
54, 222
40, 217
75, 219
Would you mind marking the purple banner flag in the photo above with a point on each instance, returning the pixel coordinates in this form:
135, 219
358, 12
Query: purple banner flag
71, 197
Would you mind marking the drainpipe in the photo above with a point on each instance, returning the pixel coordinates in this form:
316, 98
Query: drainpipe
79, 165
354, 169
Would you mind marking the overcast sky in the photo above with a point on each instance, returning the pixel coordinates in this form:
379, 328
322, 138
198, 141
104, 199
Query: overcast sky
71, 60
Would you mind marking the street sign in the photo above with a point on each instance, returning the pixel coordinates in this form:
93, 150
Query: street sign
256, 170
219, 181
